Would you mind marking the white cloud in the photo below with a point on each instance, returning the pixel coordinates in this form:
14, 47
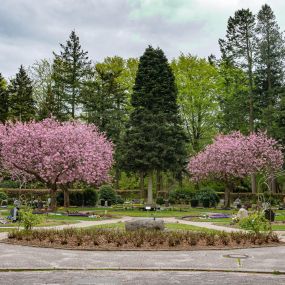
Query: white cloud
31, 29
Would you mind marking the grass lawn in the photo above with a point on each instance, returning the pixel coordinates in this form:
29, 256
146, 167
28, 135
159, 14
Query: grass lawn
46, 223
5, 230
278, 227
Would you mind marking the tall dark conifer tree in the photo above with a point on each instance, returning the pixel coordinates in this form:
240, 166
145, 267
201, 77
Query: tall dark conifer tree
270, 52
239, 47
3, 100
155, 140
71, 72
20, 97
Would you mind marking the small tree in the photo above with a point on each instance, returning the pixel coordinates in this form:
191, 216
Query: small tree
236, 156
56, 153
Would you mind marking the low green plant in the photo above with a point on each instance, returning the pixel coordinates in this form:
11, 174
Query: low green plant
256, 223
159, 200
90, 196
3, 196
207, 196
28, 220
107, 193
181, 195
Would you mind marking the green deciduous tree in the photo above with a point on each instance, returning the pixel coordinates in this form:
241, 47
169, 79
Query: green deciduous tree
198, 84
233, 98
155, 139
41, 73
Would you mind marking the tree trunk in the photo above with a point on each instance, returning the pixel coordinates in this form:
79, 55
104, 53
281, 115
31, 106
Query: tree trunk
227, 203
142, 185
253, 184
272, 184
53, 203
149, 189
158, 182
66, 197
117, 178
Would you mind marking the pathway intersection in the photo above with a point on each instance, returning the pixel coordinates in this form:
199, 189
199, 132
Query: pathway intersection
32, 265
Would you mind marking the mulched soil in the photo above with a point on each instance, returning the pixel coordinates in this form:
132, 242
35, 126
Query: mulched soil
87, 243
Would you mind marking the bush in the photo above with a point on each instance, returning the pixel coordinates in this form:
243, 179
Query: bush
87, 197
90, 196
207, 196
194, 203
159, 200
107, 193
28, 219
119, 200
3, 196
256, 223
181, 196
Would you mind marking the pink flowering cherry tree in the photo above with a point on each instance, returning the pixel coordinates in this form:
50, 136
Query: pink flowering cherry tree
236, 156
55, 153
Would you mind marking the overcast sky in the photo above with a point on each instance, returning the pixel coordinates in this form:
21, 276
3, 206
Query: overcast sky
31, 29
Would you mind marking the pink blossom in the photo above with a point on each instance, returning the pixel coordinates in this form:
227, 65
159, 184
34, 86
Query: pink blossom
56, 153
236, 155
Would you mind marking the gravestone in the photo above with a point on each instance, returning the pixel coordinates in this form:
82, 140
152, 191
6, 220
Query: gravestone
149, 224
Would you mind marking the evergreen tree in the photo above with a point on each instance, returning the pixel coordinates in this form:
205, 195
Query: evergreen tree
270, 51
3, 100
106, 100
72, 72
56, 101
20, 97
155, 140
238, 49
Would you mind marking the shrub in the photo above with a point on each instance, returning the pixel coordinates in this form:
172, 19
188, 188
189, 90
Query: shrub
3, 196
87, 197
159, 200
181, 196
194, 203
28, 219
207, 197
107, 193
119, 200
90, 196
256, 223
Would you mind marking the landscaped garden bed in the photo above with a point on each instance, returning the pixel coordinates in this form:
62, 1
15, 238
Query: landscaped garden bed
116, 239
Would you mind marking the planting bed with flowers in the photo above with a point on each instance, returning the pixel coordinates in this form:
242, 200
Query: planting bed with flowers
116, 239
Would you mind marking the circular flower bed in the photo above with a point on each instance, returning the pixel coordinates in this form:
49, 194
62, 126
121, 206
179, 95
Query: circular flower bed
109, 239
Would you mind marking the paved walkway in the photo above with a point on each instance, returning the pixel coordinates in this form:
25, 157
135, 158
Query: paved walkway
268, 259
138, 278
32, 265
